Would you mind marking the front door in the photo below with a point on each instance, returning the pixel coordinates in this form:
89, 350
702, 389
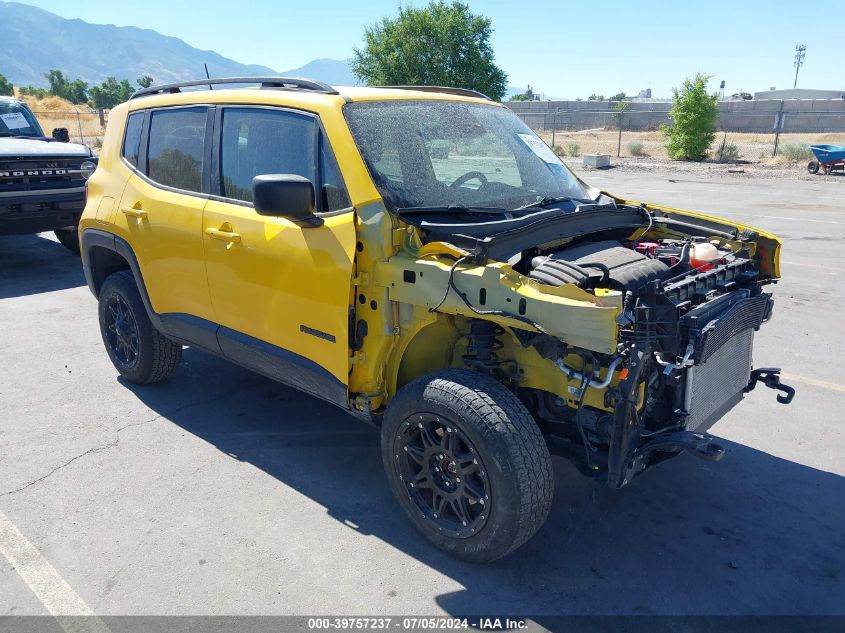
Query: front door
280, 291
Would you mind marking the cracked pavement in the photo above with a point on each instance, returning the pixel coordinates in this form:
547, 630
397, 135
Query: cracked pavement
221, 492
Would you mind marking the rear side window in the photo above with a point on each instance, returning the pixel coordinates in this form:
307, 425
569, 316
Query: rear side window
258, 141
176, 148
132, 140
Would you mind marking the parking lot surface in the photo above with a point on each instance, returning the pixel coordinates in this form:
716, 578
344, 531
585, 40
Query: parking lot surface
221, 492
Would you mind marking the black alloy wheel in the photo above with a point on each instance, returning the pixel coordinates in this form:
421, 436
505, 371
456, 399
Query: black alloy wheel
122, 331
443, 474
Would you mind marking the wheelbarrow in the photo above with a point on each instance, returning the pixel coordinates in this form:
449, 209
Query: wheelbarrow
828, 158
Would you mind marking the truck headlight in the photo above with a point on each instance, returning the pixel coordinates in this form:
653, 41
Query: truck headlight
87, 168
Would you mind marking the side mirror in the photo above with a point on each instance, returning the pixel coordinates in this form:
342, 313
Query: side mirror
285, 196
61, 134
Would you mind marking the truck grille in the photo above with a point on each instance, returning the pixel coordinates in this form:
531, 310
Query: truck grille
35, 175
715, 385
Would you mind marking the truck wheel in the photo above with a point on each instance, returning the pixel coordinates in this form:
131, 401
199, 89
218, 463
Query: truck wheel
69, 238
467, 463
140, 352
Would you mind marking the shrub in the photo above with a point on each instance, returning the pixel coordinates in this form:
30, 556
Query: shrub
796, 152
6, 88
573, 149
693, 115
725, 152
635, 148
557, 149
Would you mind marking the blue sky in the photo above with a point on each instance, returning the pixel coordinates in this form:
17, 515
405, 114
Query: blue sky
563, 48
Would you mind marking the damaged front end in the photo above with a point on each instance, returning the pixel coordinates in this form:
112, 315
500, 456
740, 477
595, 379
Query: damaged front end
628, 332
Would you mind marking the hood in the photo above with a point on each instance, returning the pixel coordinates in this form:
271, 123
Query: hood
25, 147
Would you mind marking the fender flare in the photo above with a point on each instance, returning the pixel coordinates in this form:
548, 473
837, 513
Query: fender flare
96, 238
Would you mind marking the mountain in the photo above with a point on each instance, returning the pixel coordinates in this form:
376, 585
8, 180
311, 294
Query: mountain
331, 71
34, 41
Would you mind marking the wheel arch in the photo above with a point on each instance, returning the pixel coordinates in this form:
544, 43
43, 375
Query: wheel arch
103, 254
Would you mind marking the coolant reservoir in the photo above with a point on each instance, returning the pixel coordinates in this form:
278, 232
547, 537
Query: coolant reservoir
702, 254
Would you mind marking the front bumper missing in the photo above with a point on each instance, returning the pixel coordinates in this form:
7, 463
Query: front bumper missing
632, 454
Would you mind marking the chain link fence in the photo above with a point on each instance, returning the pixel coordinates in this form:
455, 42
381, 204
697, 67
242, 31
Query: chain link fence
774, 136
84, 125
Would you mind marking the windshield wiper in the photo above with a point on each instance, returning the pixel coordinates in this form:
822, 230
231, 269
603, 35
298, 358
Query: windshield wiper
547, 200
454, 208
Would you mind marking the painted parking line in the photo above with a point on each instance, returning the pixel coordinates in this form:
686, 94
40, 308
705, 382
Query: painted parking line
49, 587
802, 220
815, 382
817, 266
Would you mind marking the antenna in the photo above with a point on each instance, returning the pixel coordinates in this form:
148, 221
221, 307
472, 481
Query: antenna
207, 76
800, 51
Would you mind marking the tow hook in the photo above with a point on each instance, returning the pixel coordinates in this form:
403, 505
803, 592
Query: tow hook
770, 376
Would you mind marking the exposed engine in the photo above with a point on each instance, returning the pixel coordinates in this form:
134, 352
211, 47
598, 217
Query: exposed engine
598, 264
691, 308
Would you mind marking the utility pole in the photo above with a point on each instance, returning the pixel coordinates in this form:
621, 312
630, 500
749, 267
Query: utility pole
799, 60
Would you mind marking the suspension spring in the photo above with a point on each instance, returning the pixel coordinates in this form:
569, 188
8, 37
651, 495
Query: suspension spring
482, 345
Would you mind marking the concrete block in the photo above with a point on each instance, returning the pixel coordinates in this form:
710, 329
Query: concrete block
598, 161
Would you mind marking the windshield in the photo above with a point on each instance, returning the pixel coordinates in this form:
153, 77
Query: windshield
17, 120
440, 153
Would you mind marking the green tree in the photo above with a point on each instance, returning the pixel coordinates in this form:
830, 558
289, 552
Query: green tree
34, 91
6, 88
520, 97
619, 96
693, 115
75, 91
111, 92
595, 97
57, 81
442, 44
145, 82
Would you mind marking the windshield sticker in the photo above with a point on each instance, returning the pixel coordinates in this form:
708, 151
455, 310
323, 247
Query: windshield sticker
14, 120
540, 148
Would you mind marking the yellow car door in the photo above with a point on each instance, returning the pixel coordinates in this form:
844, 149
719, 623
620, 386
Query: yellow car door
280, 291
160, 214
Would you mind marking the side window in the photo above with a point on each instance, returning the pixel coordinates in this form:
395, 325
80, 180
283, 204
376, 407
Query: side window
332, 189
176, 147
258, 141
132, 140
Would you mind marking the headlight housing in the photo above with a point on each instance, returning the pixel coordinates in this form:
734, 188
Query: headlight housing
87, 168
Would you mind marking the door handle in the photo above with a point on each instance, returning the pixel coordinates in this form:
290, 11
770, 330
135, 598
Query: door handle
226, 236
133, 212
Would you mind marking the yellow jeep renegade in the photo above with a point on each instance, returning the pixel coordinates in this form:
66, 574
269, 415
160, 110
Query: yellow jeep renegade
419, 258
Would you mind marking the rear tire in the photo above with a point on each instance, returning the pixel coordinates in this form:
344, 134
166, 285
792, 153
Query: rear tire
467, 463
140, 352
69, 238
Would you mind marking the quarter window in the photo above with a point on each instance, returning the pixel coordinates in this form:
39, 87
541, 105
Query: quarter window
333, 192
176, 148
259, 141
132, 140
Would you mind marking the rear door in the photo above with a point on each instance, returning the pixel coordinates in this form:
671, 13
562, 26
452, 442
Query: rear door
160, 214
280, 291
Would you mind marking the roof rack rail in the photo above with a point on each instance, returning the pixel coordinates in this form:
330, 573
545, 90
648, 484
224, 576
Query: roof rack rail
285, 83
464, 92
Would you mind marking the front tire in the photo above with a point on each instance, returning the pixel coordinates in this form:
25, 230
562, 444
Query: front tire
140, 352
69, 238
467, 463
